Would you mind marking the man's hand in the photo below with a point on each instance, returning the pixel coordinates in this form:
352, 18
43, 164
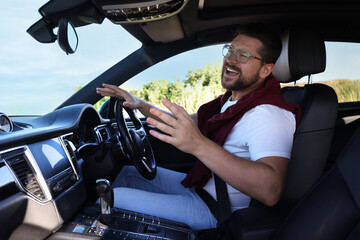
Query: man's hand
113, 91
181, 128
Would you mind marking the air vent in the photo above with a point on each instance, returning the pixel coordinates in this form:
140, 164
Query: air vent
71, 150
25, 176
143, 11
104, 134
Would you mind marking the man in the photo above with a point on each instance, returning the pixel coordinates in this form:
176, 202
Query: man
244, 136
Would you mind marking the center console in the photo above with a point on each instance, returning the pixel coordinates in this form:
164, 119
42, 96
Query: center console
106, 222
89, 224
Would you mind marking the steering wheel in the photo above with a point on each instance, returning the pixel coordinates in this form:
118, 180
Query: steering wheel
135, 142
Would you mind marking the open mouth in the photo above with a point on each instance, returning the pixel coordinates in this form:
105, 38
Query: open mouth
231, 72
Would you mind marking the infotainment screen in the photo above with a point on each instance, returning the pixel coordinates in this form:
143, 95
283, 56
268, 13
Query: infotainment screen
50, 157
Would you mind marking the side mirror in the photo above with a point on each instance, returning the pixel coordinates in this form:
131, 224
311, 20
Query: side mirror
67, 37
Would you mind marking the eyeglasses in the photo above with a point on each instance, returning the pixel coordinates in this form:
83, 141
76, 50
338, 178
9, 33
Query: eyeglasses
241, 55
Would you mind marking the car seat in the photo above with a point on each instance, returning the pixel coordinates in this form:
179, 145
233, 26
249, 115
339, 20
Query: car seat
331, 209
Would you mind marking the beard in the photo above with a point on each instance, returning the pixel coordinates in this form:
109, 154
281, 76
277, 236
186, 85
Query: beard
242, 82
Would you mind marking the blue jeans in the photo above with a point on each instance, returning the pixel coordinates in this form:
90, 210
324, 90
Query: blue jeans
163, 197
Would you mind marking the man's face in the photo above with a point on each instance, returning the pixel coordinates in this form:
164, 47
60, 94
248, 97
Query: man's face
238, 76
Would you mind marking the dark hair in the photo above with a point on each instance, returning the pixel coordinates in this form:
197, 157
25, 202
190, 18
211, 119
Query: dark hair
271, 41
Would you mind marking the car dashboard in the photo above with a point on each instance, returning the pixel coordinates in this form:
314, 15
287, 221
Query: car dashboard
43, 186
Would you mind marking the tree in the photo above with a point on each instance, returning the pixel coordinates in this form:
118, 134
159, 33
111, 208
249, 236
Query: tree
201, 85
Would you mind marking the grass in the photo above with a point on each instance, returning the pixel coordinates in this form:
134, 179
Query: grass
346, 90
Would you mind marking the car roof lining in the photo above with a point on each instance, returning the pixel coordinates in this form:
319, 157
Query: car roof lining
222, 14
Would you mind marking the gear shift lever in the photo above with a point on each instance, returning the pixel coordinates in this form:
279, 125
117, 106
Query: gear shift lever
106, 194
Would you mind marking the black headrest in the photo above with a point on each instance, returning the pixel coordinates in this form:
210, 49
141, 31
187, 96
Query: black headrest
303, 53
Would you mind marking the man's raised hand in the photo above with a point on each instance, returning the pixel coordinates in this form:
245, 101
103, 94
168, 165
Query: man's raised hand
113, 91
180, 131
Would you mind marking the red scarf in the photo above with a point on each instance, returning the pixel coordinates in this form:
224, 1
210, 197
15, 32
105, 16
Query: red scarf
216, 126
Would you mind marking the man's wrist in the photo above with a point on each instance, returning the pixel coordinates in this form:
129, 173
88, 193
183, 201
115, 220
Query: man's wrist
142, 104
203, 147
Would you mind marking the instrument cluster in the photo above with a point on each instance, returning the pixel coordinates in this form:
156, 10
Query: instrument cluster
6, 125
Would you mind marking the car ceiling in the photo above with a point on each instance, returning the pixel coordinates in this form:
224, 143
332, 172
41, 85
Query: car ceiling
207, 21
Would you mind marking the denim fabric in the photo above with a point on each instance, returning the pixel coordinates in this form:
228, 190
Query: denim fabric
163, 197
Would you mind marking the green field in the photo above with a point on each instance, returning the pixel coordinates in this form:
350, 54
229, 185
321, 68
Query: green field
346, 90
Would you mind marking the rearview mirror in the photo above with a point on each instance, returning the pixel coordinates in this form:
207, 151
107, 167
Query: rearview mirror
67, 37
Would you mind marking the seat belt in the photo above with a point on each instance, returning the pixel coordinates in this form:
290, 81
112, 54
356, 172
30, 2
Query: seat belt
222, 196
221, 208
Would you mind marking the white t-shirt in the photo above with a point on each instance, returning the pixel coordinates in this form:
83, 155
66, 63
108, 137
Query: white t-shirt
263, 131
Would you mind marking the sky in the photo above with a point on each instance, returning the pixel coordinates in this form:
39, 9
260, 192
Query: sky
36, 73
35, 78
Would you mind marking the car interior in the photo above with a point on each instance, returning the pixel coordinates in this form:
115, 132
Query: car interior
56, 170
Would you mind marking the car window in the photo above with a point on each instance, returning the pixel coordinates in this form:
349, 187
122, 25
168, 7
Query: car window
173, 77
342, 70
189, 79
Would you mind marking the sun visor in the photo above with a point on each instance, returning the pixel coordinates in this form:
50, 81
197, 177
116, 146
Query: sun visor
164, 31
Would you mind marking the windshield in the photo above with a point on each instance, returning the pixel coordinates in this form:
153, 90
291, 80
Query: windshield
36, 78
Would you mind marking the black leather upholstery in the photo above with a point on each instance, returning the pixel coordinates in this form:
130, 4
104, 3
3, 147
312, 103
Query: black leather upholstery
303, 53
331, 209
307, 57
312, 138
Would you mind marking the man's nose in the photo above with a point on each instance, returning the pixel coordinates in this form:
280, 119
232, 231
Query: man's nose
231, 60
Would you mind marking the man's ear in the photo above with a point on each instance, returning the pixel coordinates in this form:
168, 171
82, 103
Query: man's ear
266, 69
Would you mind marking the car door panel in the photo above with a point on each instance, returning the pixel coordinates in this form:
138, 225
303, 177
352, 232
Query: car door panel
348, 120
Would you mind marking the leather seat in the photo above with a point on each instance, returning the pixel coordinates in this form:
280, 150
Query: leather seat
331, 209
312, 139
303, 54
